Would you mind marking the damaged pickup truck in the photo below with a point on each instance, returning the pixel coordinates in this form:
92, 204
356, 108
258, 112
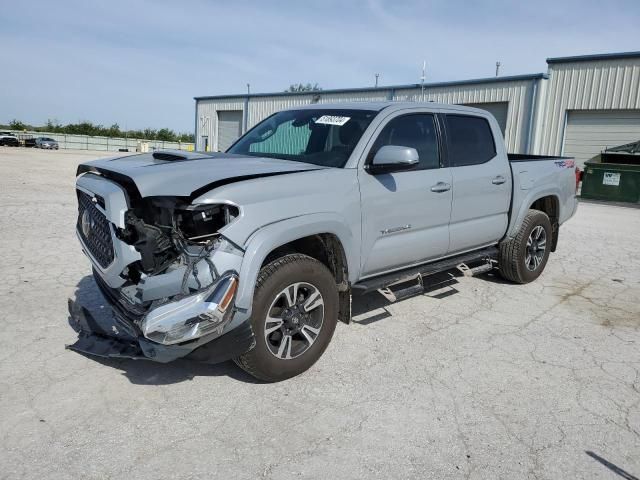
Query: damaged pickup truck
254, 254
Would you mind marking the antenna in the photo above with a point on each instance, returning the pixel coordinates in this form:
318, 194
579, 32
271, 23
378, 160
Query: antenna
424, 73
377, 76
248, 89
498, 68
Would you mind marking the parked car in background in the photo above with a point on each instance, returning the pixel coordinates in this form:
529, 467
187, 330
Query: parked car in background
46, 142
8, 139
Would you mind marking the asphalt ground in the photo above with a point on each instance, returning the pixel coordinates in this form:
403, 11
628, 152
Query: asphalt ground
477, 379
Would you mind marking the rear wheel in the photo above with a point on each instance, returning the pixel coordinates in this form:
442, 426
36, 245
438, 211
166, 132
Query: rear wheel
523, 258
295, 311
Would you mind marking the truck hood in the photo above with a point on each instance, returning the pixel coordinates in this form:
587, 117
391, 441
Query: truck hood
189, 174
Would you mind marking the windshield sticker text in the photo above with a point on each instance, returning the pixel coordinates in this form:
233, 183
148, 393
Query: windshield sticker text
333, 120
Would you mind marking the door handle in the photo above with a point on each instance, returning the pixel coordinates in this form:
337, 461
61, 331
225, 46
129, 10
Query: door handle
441, 187
499, 180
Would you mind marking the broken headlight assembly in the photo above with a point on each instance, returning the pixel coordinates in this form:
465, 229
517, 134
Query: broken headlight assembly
194, 316
185, 295
201, 223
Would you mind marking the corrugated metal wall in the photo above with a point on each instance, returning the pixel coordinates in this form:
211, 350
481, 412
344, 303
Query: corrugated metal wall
517, 93
588, 85
207, 119
262, 107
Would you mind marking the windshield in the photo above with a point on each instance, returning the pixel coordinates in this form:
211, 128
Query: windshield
320, 136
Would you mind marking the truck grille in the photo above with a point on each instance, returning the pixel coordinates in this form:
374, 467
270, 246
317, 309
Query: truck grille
93, 228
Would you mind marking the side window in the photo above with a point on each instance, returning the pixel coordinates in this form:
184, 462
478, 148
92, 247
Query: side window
417, 131
469, 140
287, 139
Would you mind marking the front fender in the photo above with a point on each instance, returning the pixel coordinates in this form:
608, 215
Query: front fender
272, 236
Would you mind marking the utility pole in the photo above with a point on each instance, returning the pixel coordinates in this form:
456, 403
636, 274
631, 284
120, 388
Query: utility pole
377, 76
424, 72
497, 68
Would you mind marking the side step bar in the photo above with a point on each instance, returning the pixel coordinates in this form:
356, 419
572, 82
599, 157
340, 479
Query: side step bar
486, 258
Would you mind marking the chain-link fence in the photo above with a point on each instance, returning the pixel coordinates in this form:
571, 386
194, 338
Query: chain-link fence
87, 142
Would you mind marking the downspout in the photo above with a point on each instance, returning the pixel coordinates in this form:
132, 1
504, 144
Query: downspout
391, 94
564, 131
532, 114
245, 115
195, 129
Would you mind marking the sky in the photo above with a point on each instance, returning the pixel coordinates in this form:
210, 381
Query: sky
140, 63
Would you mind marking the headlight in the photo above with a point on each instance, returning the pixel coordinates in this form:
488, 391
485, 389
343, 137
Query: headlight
200, 223
194, 316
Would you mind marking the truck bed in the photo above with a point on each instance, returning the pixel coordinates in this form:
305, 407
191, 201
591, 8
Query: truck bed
540, 176
525, 157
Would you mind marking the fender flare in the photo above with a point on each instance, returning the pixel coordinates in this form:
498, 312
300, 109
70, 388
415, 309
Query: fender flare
525, 205
272, 236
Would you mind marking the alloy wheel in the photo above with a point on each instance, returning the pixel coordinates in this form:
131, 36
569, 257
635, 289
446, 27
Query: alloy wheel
294, 320
535, 249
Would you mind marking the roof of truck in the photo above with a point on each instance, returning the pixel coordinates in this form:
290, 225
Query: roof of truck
378, 106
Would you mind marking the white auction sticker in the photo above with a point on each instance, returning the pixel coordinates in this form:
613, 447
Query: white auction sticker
611, 178
333, 120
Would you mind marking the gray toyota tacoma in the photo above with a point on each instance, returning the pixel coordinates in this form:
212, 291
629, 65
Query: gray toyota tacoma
255, 254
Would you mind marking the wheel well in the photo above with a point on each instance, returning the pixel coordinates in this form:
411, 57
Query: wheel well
327, 249
551, 206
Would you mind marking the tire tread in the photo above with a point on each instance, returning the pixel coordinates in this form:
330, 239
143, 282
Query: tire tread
509, 261
246, 361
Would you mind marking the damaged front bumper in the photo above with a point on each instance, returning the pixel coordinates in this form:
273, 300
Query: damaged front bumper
185, 309
200, 319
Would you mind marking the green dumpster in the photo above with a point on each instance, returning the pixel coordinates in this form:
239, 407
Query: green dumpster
613, 175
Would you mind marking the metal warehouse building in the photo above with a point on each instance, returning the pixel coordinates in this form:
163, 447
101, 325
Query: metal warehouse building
579, 107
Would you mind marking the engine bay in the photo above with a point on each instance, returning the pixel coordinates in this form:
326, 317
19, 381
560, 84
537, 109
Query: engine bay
172, 235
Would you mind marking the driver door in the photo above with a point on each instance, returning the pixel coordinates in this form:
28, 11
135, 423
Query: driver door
405, 214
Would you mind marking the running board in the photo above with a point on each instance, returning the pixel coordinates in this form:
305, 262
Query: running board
471, 272
384, 283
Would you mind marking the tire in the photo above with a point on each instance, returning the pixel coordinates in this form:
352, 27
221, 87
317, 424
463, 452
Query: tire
274, 357
520, 262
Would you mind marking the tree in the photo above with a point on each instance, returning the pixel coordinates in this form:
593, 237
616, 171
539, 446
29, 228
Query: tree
166, 135
86, 127
18, 125
149, 133
114, 131
299, 87
53, 126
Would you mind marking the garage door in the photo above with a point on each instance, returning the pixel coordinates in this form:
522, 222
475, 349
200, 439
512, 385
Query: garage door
589, 132
497, 109
229, 128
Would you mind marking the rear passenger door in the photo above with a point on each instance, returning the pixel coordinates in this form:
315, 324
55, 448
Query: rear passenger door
481, 182
405, 214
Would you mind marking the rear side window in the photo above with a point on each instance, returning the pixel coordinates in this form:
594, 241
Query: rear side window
417, 131
469, 140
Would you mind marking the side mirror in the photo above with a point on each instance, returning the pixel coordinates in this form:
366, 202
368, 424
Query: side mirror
393, 158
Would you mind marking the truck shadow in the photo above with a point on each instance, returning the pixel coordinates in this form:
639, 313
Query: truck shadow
366, 309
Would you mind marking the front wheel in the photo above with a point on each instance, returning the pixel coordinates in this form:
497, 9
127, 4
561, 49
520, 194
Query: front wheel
295, 311
523, 258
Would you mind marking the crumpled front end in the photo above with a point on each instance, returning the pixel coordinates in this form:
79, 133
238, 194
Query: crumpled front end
168, 274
